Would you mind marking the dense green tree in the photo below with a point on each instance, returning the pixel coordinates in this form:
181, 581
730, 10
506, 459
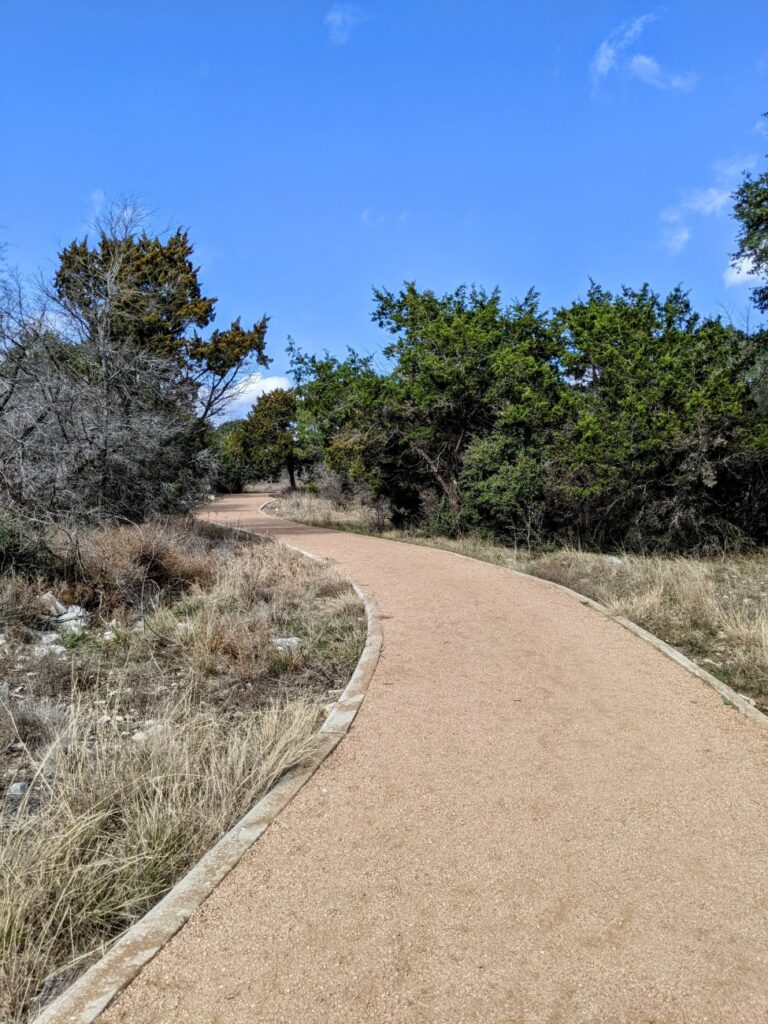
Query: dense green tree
501, 476
460, 364
502, 489
335, 398
438, 393
751, 211
343, 425
621, 419
133, 288
661, 439
266, 441
230, 470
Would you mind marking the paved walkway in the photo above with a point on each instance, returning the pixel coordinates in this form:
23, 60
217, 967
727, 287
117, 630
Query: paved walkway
536, 818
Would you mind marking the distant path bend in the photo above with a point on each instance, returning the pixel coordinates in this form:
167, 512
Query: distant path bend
536, 818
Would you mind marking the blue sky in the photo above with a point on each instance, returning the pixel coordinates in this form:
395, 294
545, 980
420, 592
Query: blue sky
315, 149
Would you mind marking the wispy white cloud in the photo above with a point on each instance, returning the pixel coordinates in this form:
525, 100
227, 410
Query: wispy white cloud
372, 217
97, 205
702, 202
648, 70
675, 239
340, 21
761, 127
728, 170
610, 51
249, 390
612, 56
98, 202
706, 200
738, 273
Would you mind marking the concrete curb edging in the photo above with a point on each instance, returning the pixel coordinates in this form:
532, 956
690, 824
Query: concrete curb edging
90, 994
741, 703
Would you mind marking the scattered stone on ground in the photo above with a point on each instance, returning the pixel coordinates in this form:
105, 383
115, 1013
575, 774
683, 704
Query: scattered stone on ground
287, 643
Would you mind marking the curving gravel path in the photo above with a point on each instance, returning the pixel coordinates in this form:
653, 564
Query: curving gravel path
536, 818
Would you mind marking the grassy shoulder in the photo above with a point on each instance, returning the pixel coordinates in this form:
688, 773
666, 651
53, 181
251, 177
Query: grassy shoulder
715, 610
196, 674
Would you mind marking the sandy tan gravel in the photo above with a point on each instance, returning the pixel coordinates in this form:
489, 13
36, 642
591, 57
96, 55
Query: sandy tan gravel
536, 818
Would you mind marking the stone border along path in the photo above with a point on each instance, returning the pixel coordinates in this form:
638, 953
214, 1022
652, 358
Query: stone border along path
537, 818
87, 997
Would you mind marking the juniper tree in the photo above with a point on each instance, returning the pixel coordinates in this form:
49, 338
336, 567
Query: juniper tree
751, 211
105, 384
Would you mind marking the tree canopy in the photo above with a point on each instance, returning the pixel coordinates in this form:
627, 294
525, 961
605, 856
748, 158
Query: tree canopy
107, 381
751, 211
265, 443
621, 419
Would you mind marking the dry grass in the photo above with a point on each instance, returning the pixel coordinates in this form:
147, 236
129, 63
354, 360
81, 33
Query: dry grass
130, 566
317, 511
151, 737
18, 604
100, 838
713, 609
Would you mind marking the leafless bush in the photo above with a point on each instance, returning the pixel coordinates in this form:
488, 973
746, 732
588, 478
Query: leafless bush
331, 487
89, 423
132, 565
379, 515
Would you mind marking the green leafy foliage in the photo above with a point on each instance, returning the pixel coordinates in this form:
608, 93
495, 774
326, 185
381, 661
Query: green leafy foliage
620, 420
751, 211
230, 472
660, 437
265, 443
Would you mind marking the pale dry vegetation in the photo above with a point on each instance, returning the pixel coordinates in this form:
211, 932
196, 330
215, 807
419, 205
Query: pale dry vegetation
347, 514
713, 609
200, 680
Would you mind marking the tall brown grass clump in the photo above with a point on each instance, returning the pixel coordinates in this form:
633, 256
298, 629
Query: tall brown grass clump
130, 565
110, 823
317, 511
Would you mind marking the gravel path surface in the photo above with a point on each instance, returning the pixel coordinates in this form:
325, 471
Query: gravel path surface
535, 818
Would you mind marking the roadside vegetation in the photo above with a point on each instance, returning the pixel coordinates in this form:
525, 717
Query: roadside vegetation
714, 609
192, 672
624, 420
